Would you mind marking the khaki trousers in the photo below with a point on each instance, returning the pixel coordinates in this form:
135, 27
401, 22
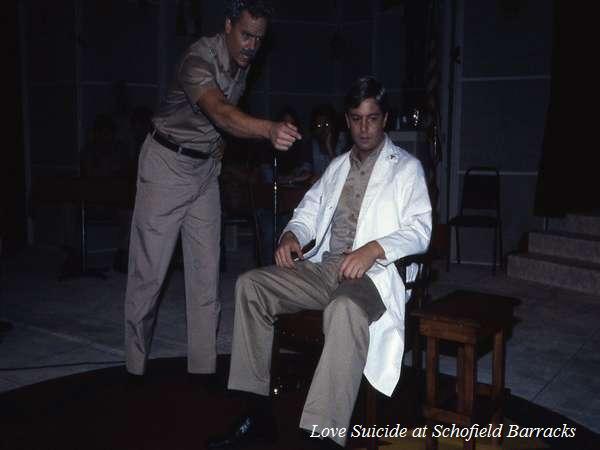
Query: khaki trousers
175, 195
349, 307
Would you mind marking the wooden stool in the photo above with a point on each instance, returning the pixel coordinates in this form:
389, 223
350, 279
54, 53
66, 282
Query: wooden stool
466, 318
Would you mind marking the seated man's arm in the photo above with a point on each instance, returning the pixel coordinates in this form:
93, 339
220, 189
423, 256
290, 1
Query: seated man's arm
412, 237
359, 261
288, 246
415, 219
303, 223
301, 229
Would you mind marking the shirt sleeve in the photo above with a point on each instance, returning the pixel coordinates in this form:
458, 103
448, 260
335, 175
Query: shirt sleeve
195, 76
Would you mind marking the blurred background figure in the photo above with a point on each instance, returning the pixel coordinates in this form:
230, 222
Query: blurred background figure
326, 142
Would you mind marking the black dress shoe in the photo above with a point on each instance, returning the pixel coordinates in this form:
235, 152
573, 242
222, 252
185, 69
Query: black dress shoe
248, 430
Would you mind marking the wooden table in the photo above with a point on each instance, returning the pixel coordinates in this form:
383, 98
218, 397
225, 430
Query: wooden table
466, 318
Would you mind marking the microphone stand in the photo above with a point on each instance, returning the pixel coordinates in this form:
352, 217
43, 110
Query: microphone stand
274, 200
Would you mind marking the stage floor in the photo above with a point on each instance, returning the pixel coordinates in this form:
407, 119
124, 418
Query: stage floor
74, 326
102, 409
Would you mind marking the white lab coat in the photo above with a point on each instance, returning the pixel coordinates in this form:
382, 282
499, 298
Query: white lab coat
396, 212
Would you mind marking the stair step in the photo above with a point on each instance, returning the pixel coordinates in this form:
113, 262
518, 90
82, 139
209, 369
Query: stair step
566, 245
566, 273
581, 224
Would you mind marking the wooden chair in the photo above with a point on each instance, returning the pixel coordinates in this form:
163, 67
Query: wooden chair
303, 332
239, 209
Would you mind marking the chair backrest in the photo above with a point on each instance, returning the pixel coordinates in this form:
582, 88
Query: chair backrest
481, 190
419, 284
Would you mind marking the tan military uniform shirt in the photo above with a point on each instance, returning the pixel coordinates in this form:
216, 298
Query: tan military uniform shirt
205, 64
343, 226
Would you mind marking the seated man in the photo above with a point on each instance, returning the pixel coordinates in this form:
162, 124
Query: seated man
368, 209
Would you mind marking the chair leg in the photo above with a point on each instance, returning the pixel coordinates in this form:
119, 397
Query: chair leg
432, 364
371, 414
257, 240
501, 248
417, 357
223, 250
417, 366
449, 249
457, 245
495, 246
274, 382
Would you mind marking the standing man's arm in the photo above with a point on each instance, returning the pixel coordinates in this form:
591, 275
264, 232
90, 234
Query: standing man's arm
231, 119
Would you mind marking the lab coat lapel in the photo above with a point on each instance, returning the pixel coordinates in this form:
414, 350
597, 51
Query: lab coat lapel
378, 179
331, 200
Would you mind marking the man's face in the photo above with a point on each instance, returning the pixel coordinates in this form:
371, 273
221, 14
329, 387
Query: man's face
244, 37
366, 124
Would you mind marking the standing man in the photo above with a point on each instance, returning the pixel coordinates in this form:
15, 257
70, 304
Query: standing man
177, 186
369, 209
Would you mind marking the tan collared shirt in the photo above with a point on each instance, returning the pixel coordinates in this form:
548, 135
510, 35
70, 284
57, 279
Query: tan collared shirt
205, 64
343, 226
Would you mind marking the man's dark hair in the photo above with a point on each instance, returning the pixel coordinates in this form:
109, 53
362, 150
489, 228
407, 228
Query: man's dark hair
256, 8
364, 88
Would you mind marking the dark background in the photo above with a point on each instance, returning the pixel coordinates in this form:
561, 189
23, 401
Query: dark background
81, 58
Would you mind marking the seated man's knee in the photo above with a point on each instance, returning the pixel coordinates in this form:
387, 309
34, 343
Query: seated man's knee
345, 306
246, 279
249, 281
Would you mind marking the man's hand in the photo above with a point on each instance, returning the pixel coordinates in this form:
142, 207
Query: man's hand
283, 135
356, 263
287, 245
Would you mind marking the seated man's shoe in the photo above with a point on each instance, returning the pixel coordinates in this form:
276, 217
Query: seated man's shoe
248, 430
